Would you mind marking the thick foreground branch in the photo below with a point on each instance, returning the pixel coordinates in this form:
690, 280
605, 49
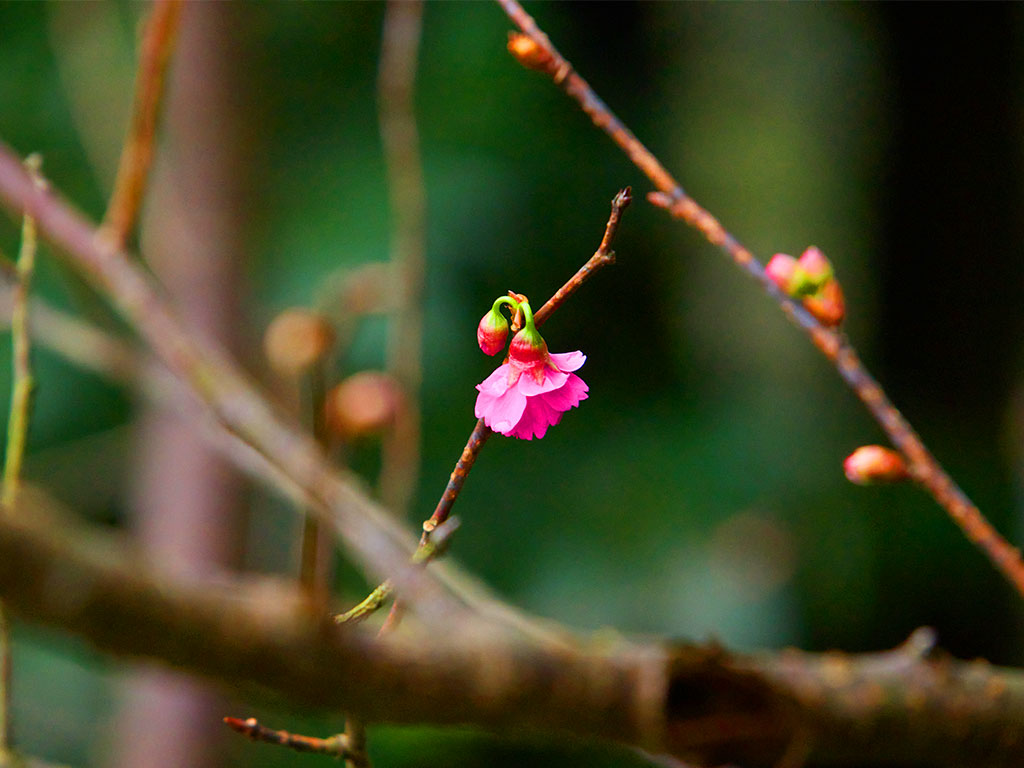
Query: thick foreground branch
703, 705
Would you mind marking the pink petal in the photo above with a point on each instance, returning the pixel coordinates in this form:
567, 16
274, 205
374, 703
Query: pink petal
497, 383
528, 385
536, 419
569, 396
569, 361
500, 413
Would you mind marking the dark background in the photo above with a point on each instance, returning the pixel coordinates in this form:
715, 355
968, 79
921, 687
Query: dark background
698, 493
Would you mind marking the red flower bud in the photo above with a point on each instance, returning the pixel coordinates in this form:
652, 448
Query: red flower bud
492, 332
528, 353
786, 272
828, 305
296, 339
528, 53
872, 464
816, 266
362, 404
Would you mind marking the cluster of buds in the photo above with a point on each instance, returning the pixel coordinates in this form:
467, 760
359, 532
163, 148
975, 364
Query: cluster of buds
812, 280
298, 342
531, 390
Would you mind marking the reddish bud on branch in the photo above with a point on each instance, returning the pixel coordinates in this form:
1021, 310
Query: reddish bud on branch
828, 305
529, 53
363, 404
812, 279
872, 464
786, 272
816, 266
296, 340
492, 332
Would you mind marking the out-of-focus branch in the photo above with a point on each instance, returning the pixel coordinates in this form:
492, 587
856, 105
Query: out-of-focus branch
247, 638
20, 414
137, 153
395, 89
702, 705
541, 55
376, 540
23, 382
95, 350
185, 499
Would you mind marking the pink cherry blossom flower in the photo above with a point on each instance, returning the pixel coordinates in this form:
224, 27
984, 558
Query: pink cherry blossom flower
528, 394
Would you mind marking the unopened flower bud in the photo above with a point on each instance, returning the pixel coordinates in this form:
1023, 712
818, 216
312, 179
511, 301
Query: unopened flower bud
528, 352
828, 305
363, 404
296, 339
787, 274
528, 52
816, 266
872, 464
492, 332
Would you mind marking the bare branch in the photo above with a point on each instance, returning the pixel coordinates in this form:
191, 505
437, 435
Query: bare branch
137, 152
925, 469
377, 541
703, 705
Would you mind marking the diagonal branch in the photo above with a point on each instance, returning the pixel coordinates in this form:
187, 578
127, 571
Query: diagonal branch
376, 541
924, 468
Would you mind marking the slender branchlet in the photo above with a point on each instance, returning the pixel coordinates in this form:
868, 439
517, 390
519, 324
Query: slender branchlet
335, 746
23, 385
137, 152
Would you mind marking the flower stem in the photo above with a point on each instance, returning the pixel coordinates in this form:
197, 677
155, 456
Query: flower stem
504, 300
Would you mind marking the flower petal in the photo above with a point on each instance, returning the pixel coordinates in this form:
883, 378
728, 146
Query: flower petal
568, 396
497, 383
529, 386
536, 419
501, 413
569, 361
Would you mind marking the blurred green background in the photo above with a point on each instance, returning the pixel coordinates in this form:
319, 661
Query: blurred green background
699, 492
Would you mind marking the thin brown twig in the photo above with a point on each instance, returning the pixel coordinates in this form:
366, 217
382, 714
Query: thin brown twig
335, 746
378, 543
395, 91
925, 469
105, 355
137, 152
603, 256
